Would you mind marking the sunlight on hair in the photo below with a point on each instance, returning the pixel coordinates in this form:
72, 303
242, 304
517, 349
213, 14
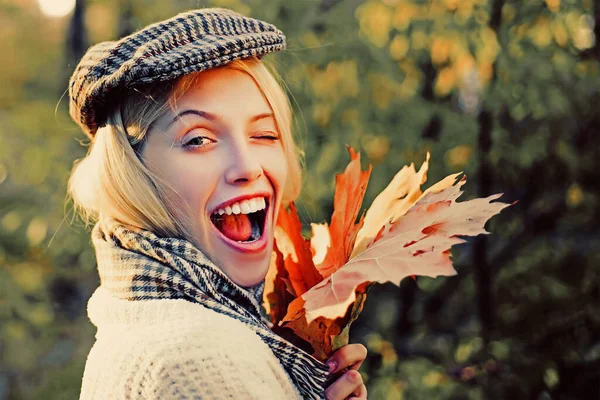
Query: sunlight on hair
56, 8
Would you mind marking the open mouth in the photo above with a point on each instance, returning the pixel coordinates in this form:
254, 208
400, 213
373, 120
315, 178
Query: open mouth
242, 221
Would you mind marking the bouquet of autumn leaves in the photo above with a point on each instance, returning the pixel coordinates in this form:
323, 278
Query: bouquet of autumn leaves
316, 287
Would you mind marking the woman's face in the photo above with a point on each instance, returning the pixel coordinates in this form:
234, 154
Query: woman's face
221, 152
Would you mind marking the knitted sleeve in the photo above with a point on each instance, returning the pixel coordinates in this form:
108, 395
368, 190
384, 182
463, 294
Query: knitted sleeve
216, 370
177, 350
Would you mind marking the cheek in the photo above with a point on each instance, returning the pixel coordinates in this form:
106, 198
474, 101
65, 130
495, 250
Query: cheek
193, 189
197, 183
276, 167
186, 186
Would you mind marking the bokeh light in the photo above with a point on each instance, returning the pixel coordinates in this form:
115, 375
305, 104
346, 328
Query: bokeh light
56, 8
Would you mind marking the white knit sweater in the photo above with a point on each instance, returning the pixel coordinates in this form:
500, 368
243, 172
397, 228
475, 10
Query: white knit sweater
175, 349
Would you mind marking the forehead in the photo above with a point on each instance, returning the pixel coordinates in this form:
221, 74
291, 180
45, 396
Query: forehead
222, 91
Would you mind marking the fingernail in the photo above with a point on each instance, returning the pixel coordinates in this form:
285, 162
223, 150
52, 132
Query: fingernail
332, 366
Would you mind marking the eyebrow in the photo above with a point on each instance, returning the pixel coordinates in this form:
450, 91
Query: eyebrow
213, 117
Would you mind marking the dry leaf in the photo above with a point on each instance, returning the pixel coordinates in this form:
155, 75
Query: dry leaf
297, 255
405, 233
417, 244
343, 337
316, 335
394, 201
320, 242
350, 190
277, 295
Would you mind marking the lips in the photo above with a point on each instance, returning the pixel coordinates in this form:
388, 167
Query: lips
241, 222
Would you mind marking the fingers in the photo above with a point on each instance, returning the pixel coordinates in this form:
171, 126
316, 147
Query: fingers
360, 394
350, 356
349, 384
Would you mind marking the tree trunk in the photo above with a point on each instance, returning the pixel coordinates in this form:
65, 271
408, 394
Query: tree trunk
484, 180
480, 261
77, 39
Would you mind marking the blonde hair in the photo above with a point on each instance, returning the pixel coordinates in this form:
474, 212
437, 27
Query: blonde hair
111, 181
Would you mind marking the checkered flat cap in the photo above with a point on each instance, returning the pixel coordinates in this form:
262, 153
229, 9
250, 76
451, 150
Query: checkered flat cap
189, 42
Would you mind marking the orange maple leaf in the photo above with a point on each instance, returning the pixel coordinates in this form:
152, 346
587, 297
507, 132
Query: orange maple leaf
405, 233
350, 188
297, 255
314, 336
278, 293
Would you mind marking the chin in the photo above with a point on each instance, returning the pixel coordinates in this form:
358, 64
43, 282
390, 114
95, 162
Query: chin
249, 275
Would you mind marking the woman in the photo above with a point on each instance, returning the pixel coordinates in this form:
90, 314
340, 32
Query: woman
191, 157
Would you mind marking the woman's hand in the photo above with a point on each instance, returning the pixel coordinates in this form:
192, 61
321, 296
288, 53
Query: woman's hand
349, 385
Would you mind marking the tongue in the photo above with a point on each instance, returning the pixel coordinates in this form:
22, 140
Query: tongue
236, 227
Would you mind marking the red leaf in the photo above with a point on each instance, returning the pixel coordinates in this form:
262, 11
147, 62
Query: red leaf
350, 190
297, 255
317, 333
405, 233
277, 297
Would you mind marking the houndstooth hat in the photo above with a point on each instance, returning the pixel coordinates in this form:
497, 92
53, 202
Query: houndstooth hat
189, 42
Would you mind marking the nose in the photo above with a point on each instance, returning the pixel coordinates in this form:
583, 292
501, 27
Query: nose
244, 166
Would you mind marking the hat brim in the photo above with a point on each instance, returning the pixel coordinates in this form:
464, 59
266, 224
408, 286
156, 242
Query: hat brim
191, 42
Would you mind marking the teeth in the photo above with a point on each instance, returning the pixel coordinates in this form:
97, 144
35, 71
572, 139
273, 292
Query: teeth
244, 207
253, 205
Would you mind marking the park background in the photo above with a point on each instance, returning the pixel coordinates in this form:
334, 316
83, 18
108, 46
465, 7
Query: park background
505, 90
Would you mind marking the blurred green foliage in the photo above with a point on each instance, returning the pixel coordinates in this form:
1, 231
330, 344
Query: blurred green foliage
505, 90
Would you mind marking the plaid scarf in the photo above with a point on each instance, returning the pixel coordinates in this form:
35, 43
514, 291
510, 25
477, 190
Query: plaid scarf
135, 264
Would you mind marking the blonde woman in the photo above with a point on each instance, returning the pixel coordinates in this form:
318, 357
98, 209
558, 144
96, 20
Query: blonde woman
191, 157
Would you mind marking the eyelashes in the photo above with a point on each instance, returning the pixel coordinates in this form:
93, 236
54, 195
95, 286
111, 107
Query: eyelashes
267, 137
193, 142
199, 141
